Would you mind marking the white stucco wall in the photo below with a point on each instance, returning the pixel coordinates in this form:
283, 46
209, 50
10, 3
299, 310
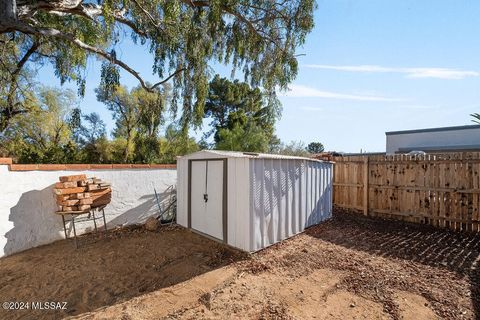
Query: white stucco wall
27, 203
467, 136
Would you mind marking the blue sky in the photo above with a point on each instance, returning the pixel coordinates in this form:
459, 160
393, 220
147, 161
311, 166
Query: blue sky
370, 66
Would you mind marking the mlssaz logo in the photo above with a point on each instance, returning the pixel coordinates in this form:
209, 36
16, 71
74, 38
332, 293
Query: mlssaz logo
49, 305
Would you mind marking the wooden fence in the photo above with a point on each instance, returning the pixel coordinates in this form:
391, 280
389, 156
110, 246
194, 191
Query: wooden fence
438, 189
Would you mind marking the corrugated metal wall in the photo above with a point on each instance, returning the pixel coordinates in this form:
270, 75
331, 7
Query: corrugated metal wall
287, 196
182, 192
238, 221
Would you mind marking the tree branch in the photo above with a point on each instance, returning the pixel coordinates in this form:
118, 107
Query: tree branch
10, 109
149, 16
92, 12
25, 58
27, 9
168, 78
76, 7
54, 33
250, 24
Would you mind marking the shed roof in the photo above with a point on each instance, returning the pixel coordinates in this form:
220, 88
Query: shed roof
252, 155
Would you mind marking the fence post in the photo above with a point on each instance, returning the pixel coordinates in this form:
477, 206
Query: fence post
366, 173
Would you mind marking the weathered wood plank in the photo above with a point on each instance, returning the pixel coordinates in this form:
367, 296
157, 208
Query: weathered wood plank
439, 189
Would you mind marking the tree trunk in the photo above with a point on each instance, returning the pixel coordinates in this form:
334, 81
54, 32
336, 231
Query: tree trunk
126, 153
8, 14
4, 121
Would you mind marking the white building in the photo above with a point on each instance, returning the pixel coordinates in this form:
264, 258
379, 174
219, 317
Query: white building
250, 200
447, 139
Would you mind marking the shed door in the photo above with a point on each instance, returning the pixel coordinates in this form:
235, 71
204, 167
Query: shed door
207, 197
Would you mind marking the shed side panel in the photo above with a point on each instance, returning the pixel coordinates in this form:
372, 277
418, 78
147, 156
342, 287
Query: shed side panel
286, 196
182, 192
284, 214
321, 195
232, 201
273, 188
294, 185
257, 219
238, 203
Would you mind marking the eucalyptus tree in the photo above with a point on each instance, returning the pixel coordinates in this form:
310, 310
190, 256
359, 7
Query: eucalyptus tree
44, 135
137, 114
92, 139
151, 116
125, 111
16, 81
257, 37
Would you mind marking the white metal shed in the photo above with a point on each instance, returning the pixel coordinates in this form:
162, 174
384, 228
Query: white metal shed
249, 200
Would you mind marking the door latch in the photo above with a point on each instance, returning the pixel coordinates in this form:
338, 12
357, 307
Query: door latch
205, 197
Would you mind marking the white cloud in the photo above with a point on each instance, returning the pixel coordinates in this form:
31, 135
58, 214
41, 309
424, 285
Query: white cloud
437, 73
315, 109
299, 91
417, 107
440, 73
395, 106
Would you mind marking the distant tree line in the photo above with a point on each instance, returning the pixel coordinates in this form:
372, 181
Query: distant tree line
256, 39
54, 130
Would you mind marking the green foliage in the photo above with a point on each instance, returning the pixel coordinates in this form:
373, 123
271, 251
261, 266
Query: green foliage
17, 83
43, 135
93, 130
138, 115
294, 148
256, 37
176, 143
90, 136
54, 132
243, 119
147, 149
315, 147
75, 121
249, 137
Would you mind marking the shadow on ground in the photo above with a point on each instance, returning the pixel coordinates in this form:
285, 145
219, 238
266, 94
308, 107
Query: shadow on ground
124, 264
455, 251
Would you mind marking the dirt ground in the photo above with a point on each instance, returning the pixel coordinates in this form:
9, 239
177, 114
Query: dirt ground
350, 267
104, 271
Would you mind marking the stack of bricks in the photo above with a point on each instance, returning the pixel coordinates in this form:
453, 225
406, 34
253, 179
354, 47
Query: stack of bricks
79, 193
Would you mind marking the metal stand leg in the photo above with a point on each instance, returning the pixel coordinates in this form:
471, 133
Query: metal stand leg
104, 222
64, 227
94, 221
74, 232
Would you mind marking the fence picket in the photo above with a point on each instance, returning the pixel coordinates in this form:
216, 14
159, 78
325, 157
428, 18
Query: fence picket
438, 189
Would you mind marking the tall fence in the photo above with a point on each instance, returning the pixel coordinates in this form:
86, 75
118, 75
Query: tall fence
438, 189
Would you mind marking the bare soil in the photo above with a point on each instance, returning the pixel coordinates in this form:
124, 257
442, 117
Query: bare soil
104, 271
350, 267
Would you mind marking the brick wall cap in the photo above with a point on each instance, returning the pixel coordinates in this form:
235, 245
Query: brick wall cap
81, 166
